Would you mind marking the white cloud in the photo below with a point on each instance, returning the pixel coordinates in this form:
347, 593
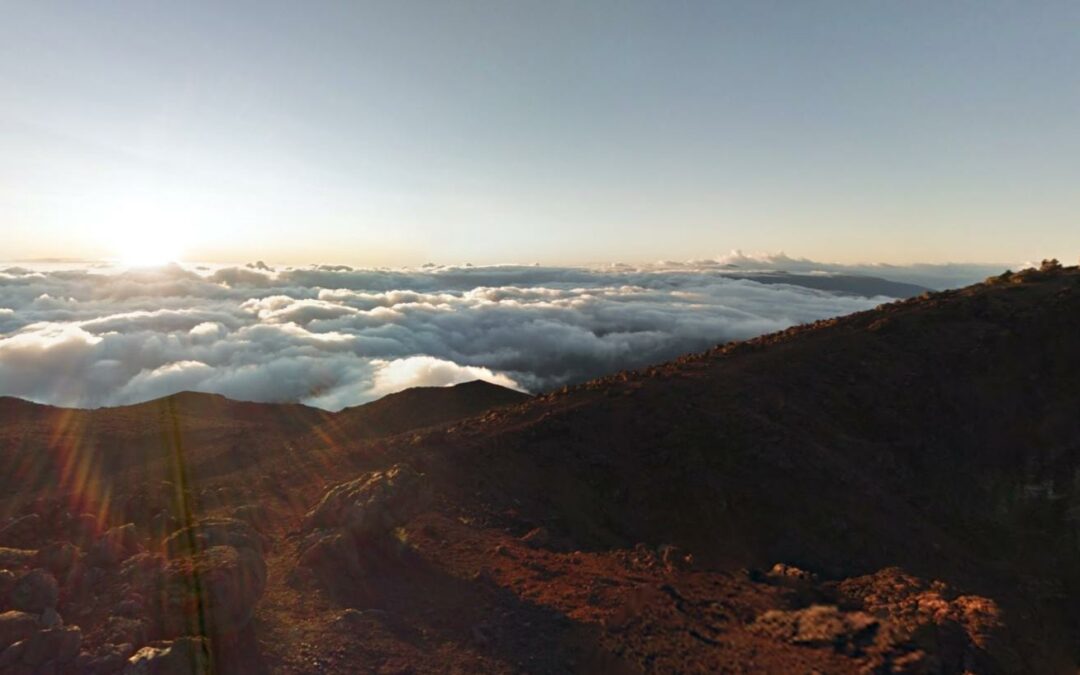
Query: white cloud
336, 336
428, 371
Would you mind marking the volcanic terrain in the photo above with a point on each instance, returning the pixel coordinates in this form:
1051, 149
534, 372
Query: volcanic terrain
895, 491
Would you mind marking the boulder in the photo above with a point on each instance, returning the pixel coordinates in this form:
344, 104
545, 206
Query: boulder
212, 592
7, 582
183, 656
335, 551
538, 537
50, 618
11, 658
35, 592
15, 558
113, 547
109, 659
255, 515
57, 557
22, 532
84, 530
211, 532
674, 558
819, 626
124, 630
354, 521
57, 645
961, 631
373, 504
16, 626
163, 523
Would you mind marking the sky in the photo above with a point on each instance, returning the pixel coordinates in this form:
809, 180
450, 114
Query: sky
397, 133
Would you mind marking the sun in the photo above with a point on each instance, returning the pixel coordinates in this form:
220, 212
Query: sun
149, 252
142, 234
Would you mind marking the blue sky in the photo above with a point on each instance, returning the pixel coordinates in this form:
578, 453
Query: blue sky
395, 133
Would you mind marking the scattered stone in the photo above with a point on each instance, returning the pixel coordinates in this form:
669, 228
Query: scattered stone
144, 572
163, 523
50, 618
211, 532
965, 631
329, 551
674, 558
35, 592
353, 616
374, 504
132, 607
352, 527
7, 582
53, 644
115, 546
214, 590
16, 626
183, 656
84, 530
255, 515
57, 557
15, 558
123, 630
12, 656
537, 537
110, 658
781, 572
22, 532
819, 626
80, 584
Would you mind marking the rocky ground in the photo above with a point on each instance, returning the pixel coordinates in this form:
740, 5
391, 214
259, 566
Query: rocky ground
892, 492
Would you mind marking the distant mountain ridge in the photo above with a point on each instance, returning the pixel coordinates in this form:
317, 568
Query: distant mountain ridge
847, 284
132, 437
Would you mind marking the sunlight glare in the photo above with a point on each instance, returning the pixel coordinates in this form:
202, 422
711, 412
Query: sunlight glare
143, 236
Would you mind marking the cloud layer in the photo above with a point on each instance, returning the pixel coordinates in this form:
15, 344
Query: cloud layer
333, 336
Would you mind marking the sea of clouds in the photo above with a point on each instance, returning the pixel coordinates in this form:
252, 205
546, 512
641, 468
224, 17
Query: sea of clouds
333, 336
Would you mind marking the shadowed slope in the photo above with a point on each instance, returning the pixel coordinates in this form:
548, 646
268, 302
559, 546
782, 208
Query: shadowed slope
194, 437
938, 433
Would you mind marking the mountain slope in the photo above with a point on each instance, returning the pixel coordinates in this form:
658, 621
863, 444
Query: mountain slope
850, 284
631, 524
194, 439
939, 434
422, 407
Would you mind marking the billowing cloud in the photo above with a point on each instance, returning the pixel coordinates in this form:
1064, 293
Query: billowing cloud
335, 336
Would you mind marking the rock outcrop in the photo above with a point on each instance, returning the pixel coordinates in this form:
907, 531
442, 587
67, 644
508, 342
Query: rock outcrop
183, 656
352, 525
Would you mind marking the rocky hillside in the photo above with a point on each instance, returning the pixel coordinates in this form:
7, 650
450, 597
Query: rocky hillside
893, 491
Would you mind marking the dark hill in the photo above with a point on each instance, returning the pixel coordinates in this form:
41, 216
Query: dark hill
419, 407
190, 438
